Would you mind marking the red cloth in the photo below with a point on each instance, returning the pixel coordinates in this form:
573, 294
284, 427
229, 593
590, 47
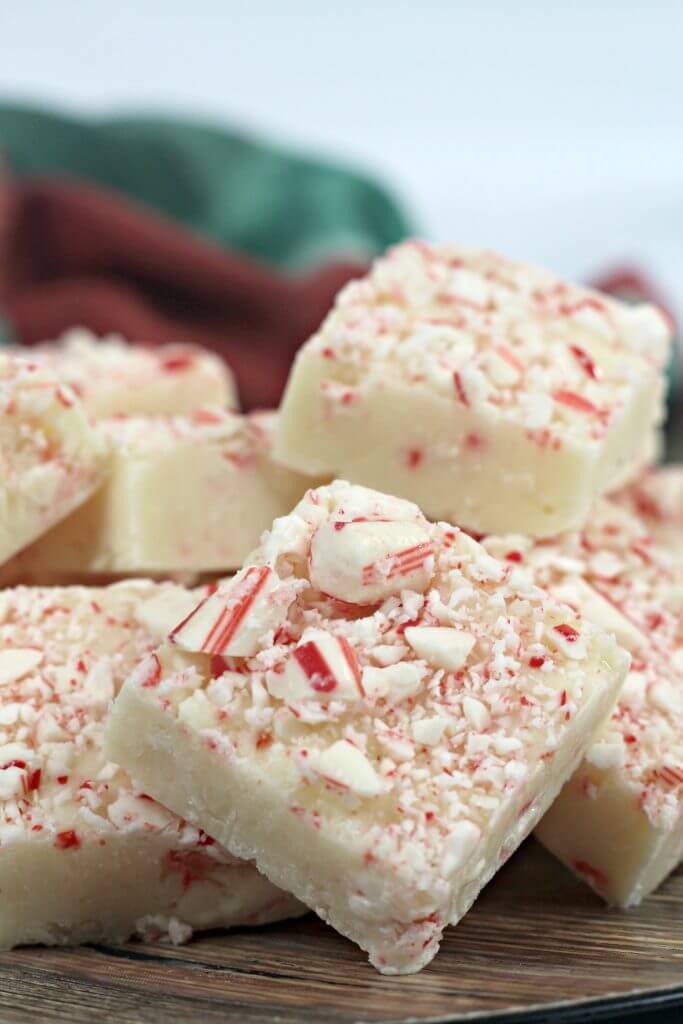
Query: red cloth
73, 254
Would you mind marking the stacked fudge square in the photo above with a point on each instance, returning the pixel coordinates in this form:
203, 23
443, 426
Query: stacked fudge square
114, 466
469, 630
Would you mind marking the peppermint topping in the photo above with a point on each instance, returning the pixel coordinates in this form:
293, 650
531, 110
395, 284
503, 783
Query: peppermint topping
234, 619
323, 668
66, 651
112, 377
365, 562
507, 340
400, 703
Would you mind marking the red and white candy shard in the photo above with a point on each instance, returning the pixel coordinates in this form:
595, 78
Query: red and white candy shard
232, 621
363, 562
323, 668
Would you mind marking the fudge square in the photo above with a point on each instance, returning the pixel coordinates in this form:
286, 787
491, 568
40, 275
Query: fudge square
111, 376
85, 854
187, 493
619, 822
375, 710
489, 392
52, 457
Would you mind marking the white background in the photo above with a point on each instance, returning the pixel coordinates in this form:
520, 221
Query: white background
548, 130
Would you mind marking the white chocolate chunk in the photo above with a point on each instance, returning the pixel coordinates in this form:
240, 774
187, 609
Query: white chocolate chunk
606, 755
233, 620
17, 662
429, 730
11, 782
393, 682
461, 844
344, 765
440, 646
476, 713
364, 562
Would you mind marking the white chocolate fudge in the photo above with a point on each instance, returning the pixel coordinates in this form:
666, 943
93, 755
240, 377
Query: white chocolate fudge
619, 822
657, 499
487, 391
113, 377
186, 494
395, 711
85, 854
52, 458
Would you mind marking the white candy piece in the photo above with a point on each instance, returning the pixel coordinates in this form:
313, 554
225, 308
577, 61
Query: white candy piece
323, 668
429, 730
233, 620
440, 646
346, 766
461, 844
17, 662
395, 683
364, 562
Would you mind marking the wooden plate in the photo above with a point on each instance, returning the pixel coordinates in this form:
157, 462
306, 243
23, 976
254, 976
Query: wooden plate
538, 946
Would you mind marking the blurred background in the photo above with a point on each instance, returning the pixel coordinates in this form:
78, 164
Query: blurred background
550, 131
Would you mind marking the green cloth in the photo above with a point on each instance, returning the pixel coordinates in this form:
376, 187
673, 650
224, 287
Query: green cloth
267, 202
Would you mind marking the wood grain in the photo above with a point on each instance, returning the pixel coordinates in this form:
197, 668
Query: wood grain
536, 938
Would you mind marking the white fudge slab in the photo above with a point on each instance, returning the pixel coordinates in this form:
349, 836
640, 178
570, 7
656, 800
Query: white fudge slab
375, 710
186, 494
52, 457
619, 822
657, 499
489, 392
113, 377
85, 854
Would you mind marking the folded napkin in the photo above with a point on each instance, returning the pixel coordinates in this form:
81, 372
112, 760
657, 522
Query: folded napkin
72, 254
259, 198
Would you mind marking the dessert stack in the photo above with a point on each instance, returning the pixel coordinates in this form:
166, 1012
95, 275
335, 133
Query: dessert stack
455, 617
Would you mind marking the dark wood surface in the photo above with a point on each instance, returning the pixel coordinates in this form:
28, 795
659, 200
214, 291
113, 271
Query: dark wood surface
535, 939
